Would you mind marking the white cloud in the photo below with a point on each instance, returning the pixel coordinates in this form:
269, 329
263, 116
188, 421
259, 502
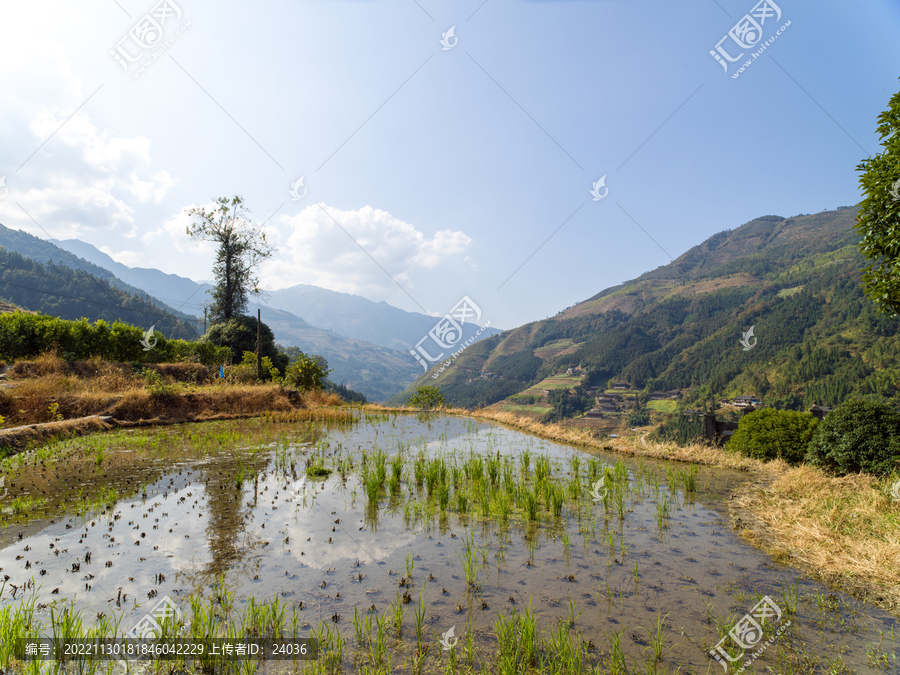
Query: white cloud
78, 179
335, 249
129, 258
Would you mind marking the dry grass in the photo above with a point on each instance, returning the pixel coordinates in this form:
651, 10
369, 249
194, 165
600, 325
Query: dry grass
842, 530
697, 453
98, 387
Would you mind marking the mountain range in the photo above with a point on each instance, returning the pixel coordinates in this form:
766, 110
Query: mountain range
796, 281
366, 343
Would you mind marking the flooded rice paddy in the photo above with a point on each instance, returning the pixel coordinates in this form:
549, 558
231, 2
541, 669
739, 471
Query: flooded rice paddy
413, 544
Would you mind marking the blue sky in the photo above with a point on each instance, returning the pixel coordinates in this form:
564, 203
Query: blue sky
462, 171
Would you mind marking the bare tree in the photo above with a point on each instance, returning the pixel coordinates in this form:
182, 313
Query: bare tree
242, 248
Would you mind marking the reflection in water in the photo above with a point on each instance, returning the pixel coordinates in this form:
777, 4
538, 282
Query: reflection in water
221, 501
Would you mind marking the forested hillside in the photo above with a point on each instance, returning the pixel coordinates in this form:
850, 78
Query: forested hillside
60, 291
797, 280
46, 252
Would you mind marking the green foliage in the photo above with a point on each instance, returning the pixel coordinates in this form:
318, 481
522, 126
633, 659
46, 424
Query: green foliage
521, 366
774, 434
638, 417
62, 292
426, 398
238, 334
155, 385
856, 436
307, 372
242, 247
27, 335
680, 429
879, 212
55, 415
567, 404
345, 393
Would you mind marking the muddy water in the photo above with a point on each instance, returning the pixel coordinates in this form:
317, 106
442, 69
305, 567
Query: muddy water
200, 501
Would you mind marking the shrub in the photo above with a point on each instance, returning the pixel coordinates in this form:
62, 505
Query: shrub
238, 334
774, 434
681, 430
638, 418
426, 398
858, 436
306, 372
25, 335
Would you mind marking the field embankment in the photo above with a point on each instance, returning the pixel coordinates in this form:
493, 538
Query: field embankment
48, 397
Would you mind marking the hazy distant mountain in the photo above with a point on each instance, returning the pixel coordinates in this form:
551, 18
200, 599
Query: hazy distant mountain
358, 317
349, 315
179, 292
376, 371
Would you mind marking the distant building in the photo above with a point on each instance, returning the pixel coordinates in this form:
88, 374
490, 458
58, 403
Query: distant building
594, 413
570, 371
819, 411
691, 412
673, 393
744, 401
621, 385
657, 395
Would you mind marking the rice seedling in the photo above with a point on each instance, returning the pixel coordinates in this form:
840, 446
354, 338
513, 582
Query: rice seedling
493, 468
616, 655
23, 504
419, 469
525, 459
662, 513
373, 488
541, 468
444, 497
789, 595
410, 564
502, 501
469, 558
689, 478
396, 613
419, 617
530, 503
657, 638
572, 616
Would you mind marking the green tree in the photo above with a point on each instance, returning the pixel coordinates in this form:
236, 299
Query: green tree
879, 214
771, 434
239, 335
426, 398
242, 248
307, 372
856, 436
